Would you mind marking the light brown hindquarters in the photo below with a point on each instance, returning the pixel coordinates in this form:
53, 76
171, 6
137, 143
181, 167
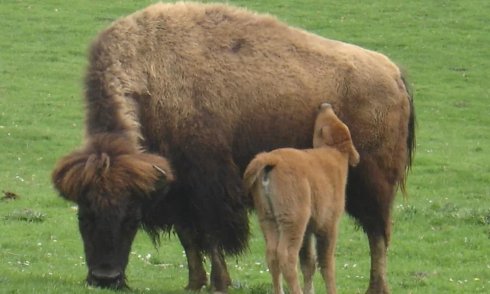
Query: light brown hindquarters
287, 199
300, 193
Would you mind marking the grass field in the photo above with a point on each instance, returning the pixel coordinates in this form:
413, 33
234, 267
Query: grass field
441, 238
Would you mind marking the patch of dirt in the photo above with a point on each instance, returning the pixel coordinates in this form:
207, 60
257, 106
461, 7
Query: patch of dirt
7, 195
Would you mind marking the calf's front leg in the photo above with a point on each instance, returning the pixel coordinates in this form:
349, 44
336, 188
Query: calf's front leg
326, 258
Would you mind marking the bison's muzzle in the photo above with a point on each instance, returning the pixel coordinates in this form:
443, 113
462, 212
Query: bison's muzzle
107, 278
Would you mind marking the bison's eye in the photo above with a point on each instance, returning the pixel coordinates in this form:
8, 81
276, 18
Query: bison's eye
85, 217
131, 223
132, 219
85, 221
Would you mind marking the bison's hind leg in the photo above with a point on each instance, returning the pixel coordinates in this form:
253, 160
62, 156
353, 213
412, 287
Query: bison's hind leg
370, 196
377, 281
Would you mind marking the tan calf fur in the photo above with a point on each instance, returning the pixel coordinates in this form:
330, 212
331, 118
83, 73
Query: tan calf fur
300, 193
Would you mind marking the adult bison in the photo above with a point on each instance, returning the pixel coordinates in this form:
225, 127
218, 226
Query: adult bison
207, 87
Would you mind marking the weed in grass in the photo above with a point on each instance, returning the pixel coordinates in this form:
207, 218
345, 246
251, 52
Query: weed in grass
261, 289
27, 215
407, 211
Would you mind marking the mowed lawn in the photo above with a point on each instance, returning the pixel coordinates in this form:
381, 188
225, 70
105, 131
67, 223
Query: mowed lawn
441, 236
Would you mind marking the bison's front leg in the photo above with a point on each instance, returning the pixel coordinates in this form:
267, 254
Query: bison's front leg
197, 273
220, 278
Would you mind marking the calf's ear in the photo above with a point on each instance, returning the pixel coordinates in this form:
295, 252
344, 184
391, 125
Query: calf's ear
348, 145
354, 157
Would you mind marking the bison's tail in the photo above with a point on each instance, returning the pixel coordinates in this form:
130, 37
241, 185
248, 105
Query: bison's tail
411, 142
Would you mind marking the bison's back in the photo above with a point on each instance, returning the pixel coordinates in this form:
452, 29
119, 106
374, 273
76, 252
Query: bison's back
248, 75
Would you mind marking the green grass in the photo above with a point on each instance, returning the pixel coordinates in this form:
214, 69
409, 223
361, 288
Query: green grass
441, 237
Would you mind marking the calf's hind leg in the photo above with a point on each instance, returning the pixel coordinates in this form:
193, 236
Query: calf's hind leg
271, 236
288, 248
308, 263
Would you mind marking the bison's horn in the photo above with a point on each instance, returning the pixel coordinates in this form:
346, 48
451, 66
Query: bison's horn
160, 170
161, 183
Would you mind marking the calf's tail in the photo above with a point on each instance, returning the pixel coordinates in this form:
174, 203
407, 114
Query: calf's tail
257, 176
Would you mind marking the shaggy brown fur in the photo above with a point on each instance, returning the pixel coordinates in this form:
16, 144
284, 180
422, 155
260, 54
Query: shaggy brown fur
297, 193
110, 168
210, 86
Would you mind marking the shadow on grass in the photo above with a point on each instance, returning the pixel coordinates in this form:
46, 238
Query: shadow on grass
52, 284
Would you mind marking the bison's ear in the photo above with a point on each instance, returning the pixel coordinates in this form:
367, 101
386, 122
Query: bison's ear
66, 176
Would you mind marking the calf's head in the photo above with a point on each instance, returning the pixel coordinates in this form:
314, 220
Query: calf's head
331, 131
109, 180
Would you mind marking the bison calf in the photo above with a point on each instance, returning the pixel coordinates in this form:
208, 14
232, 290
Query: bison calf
297, 193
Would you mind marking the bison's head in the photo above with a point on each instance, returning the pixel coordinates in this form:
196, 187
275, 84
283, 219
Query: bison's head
331, 131
109, 180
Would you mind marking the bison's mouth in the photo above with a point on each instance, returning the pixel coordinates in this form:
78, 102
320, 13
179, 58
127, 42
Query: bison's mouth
111, 279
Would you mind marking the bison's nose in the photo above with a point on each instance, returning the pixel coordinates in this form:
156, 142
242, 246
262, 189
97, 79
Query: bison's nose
106, 278
102, 274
